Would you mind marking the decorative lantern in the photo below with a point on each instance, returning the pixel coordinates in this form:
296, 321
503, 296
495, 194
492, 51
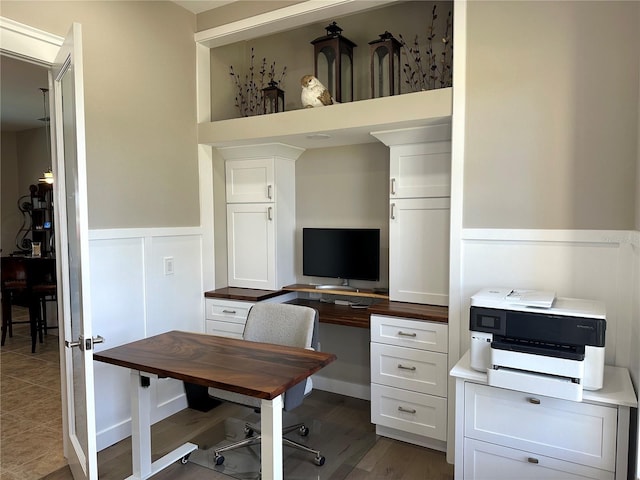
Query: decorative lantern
385, 66
333, 55
272, 98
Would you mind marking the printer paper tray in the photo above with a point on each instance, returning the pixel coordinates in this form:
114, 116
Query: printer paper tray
529, 362
531, 382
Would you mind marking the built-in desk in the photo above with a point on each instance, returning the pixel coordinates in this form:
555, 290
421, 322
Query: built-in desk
339, 314
360, 317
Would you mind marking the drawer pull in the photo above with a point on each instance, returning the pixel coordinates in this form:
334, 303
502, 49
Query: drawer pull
405, 334
406, 410
229, 311
402, 367
533, 460
535, 401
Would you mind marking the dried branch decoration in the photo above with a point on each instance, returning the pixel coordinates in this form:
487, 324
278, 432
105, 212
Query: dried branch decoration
249, 95
429, 72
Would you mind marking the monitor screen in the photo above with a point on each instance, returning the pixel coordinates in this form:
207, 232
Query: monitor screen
346, 253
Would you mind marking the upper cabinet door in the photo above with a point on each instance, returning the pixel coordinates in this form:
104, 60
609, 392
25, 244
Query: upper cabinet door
250, 181
420, 170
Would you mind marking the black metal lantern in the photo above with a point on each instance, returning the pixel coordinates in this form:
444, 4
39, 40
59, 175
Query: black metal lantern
385, 66
333, 55
272, 98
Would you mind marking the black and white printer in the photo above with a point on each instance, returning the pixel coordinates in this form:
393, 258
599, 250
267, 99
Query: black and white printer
532, 341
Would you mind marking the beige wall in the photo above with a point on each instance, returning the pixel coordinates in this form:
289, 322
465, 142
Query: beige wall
552, 115
9, 193
140, 107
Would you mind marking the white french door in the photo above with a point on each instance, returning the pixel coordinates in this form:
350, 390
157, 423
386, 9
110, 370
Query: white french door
73, 256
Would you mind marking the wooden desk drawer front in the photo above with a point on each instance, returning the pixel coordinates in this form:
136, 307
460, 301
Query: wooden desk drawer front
407, 411
430, 336
227, 310
410, 369
484, 460
577, 432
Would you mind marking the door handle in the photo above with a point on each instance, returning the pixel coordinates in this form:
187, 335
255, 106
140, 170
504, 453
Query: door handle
393, 211
269, 188
84, 343
270, 213
393, 186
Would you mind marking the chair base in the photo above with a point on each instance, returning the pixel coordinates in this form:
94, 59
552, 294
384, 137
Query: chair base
256, 439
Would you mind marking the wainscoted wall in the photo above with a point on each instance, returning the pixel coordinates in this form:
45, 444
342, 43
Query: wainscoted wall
133, 298
599, 265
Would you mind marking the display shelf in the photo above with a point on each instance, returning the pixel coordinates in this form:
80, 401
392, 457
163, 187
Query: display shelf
337, 125
302, 287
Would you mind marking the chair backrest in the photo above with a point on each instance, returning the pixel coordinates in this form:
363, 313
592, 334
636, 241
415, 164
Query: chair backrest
282, 324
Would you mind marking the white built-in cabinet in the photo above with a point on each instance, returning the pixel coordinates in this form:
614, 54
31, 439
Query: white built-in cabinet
409, 374
506, 434
226, 318
260, 194
419, 213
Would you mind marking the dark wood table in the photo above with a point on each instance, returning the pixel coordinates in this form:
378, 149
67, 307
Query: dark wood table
260, 370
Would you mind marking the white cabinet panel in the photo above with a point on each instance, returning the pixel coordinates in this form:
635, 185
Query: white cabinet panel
420, 170
419, 250
403, 332
573, 431
409, 369
486, 461
251, 245
412, 412
250, 181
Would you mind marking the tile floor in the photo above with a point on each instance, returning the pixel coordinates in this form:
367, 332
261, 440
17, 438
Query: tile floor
30, 406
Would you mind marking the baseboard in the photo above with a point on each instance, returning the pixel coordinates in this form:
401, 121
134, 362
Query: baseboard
340, 387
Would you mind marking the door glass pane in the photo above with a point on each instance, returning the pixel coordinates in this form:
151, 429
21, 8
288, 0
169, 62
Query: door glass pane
75, 285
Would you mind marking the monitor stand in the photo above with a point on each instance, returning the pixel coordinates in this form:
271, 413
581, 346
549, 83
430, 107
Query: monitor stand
344, 287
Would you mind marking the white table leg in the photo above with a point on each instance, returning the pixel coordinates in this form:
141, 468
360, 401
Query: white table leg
140, 426
271, 451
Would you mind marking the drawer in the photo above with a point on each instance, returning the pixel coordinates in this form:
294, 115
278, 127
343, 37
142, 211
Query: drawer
412, 412
409, 333
486, 461
224, 329
577, 432
409, 369
227, 310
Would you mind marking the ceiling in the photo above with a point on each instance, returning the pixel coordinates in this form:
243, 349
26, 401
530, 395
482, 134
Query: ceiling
199, 6
21, 102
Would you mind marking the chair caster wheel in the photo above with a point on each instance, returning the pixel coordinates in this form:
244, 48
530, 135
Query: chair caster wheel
184, 460
319, 461
219, 459
303, 431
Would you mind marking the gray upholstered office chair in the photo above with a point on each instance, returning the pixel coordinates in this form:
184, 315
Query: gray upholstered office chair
281, 324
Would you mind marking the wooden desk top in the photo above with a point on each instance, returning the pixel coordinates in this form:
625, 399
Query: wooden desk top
245, 294
260, 370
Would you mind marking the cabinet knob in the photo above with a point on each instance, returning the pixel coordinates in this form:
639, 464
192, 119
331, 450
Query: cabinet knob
393, 186
270, 213
535, 401
269, 194
393, 211
229, 311
533, 460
